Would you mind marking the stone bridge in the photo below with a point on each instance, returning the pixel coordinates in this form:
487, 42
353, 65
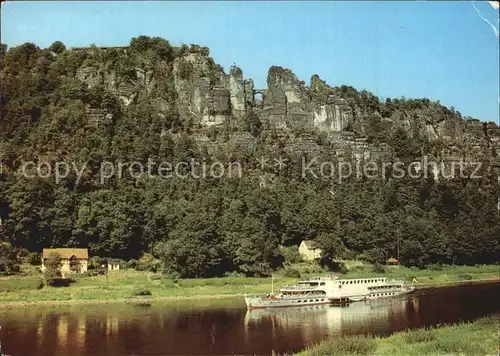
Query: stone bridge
262, 92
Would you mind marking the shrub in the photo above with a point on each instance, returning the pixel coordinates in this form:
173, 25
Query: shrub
131, 264
339, 267
52, 268
143, 292
57, 47
378, 268
148, 263
290, 254
61, 282
291, 272
97, 262
33, 258
9, 259
174, 276
262, 269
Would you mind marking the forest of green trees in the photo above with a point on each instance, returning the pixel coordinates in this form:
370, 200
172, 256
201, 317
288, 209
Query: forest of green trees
208, 227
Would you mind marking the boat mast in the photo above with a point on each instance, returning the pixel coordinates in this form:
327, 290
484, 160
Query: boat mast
398, 248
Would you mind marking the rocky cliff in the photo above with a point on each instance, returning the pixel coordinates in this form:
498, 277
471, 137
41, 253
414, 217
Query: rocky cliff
206, 96
184, 88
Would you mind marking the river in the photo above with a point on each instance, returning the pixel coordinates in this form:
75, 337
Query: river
225, 326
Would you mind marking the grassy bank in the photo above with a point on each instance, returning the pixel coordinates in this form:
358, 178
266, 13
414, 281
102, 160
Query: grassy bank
131, 285
476, 338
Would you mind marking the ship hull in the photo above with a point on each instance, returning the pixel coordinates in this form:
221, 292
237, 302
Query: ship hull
262, 302
371, 295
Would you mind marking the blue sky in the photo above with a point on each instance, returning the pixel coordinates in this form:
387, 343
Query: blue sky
441, 50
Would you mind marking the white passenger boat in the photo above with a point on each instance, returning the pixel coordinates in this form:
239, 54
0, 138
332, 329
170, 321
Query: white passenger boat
306, 292
324, 290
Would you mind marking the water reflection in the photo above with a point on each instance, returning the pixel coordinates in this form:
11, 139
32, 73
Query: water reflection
306, 323
227, 328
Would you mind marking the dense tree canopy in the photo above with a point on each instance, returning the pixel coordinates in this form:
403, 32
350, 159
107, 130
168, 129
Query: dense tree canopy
207, 227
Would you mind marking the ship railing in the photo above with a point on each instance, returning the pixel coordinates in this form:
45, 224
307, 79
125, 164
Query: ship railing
299, 287
396, 281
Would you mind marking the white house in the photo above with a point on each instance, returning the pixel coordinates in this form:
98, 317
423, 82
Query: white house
309, 250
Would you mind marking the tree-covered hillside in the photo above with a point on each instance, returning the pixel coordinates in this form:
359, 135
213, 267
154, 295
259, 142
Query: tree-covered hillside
152, 101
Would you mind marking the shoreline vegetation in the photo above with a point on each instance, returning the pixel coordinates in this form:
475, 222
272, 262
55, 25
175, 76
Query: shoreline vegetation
130, 286
479, 337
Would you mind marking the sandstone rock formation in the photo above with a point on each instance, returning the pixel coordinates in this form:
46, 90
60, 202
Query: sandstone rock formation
205, 96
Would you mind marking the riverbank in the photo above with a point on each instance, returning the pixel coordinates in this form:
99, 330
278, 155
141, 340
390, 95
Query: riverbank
142, 287
479, 337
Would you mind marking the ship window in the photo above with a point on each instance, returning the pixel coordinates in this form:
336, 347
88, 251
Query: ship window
317, 300
311, 300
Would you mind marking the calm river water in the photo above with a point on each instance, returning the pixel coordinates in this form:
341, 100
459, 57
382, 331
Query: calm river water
226, 327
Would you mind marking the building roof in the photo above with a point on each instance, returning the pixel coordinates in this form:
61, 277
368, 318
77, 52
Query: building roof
80, 253
310, 244
392, 260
